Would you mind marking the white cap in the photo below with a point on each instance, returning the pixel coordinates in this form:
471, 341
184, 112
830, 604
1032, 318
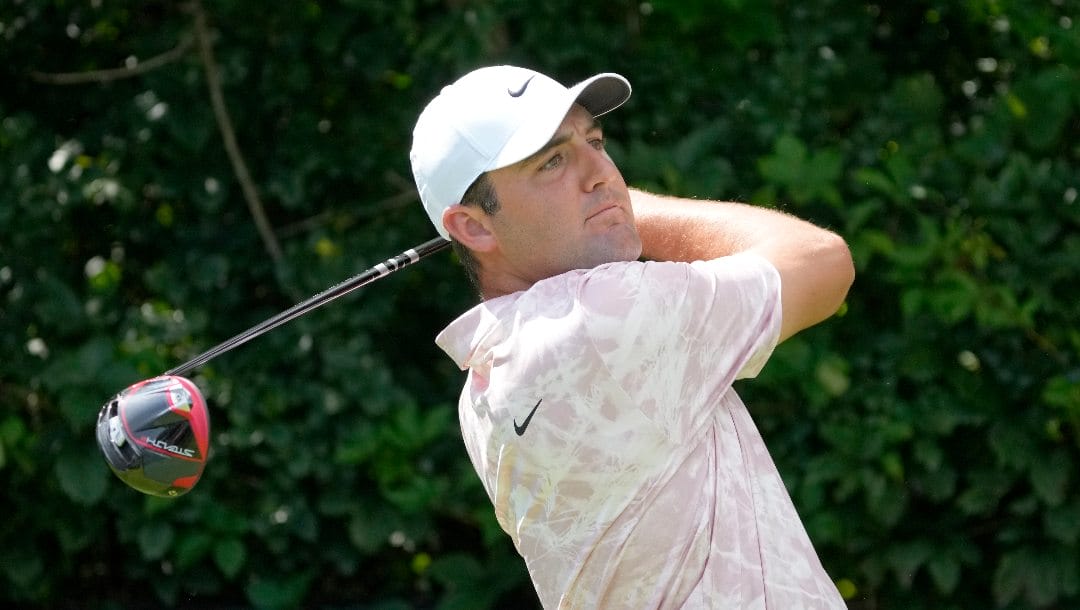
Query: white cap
491, 118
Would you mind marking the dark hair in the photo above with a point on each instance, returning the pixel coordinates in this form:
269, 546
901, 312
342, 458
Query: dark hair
480, 193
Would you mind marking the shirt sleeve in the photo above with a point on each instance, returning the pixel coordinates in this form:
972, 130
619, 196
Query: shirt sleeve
676, 335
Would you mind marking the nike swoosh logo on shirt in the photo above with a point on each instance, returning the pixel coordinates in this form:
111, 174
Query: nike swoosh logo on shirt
520, 429
520, 91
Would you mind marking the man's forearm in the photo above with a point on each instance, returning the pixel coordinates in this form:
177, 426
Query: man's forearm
678, 229
814, 264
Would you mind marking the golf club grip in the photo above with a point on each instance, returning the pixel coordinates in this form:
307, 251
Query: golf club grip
383, 269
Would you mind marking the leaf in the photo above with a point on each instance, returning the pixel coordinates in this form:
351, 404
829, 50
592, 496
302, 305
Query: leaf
1039, 575
807, 177
832, 374
456, 568
888, 505
877, 180
82, 474
280, 591
905, 558
823, 171
22, 566
920, 97
919, 254
80, 406
945, 571
192, 548
1010, 578
229, 555
226, 520
752, 23
1012, 445
1050, 477
785, 165
1045, 98
468, 582
154, 539
59, 304
985, 490
954, 297
859, 214
1063, 522
1063, 392
367, 533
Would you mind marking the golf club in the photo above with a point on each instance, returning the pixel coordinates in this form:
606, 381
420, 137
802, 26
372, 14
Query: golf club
155, 434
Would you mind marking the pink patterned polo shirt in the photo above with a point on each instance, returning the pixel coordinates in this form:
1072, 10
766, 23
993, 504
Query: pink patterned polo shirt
600, 415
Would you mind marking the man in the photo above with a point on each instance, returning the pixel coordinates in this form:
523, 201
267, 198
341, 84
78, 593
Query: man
598, 408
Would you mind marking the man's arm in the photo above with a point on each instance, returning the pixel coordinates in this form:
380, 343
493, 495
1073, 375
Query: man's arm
815, 264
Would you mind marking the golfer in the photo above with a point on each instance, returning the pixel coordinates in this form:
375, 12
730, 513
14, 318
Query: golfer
598, 407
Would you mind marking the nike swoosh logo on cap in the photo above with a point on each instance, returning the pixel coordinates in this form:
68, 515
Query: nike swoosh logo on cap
520, 430
520, 91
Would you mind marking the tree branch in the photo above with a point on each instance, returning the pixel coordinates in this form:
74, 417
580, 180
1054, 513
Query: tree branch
217, 102
399, 200
228, 134
105, 76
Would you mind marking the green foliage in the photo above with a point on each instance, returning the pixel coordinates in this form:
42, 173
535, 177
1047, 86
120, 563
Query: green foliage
930, 434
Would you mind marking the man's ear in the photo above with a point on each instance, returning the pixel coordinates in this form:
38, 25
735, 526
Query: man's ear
470, 226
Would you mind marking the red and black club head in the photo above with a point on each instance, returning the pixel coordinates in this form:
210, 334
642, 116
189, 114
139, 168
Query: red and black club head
155, 435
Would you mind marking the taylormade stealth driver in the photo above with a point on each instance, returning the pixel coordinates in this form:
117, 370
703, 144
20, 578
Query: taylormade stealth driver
155, 435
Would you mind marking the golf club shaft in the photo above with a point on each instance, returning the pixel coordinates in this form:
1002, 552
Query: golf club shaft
383, 269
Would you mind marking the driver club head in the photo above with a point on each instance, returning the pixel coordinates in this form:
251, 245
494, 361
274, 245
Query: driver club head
155, 435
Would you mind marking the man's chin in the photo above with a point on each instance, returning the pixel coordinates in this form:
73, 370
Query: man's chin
620, 244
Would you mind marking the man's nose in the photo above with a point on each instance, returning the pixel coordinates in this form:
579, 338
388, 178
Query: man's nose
600, 168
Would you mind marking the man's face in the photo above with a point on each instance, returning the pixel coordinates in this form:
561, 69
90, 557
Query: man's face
565, 207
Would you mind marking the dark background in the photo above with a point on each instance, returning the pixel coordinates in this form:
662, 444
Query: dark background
929, 435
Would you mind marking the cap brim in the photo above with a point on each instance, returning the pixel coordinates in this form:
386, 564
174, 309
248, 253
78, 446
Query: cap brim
602, 93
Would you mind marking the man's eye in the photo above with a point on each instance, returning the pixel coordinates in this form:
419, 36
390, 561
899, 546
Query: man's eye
552, 163
597, 143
